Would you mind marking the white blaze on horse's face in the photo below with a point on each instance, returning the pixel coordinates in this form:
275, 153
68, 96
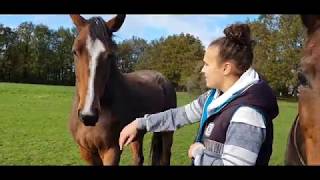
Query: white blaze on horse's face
95, 48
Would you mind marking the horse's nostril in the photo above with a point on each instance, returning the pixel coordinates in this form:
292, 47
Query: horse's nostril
89, 119
79, 114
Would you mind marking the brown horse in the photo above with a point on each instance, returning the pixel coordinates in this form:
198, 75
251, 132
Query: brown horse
106, 100
304, 140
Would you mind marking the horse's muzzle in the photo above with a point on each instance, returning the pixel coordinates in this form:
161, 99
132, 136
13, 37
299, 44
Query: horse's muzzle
89, 120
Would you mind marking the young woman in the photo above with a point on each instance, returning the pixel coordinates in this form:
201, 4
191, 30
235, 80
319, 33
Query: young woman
235, 114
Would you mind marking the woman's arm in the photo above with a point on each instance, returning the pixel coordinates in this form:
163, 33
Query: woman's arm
172, 119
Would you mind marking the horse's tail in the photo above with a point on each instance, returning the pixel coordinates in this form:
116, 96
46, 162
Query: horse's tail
162, 141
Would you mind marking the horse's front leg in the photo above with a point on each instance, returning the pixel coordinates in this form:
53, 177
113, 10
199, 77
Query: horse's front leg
89, 157
111, 156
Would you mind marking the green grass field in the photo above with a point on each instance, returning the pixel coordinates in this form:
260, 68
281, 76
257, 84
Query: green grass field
34, 128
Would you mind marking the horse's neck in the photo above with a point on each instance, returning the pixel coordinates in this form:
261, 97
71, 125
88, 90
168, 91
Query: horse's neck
117, 91
118, 99
115, 84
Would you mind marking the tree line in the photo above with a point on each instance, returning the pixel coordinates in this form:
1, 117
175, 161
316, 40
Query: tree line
37, 54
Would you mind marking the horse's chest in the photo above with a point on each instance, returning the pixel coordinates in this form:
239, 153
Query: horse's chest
105, 132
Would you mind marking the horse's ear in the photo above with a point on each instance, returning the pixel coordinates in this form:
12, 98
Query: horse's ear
78, 20
311, 22
115, 23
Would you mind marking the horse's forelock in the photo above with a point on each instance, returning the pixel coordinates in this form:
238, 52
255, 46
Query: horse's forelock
98, 29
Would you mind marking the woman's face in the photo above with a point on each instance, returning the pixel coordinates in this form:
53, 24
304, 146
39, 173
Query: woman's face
213, 69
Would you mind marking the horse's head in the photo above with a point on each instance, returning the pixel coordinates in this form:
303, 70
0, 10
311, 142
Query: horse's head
309, 98
310, 63
93, 51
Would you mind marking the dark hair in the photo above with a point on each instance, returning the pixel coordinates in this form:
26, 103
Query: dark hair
236, 45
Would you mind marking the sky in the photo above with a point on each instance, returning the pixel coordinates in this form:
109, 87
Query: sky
146, 26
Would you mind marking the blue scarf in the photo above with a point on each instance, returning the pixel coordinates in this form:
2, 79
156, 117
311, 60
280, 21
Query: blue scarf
206, 114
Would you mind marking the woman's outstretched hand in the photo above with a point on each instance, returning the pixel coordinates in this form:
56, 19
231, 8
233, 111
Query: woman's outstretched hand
128, 134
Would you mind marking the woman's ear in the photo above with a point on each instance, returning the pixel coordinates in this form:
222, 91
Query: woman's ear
227, 68
231, 68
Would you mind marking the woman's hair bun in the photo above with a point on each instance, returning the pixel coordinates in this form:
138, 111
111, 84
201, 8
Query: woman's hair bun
239, 33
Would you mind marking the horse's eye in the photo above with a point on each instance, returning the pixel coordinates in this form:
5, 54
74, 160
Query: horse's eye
109, 55
74, 52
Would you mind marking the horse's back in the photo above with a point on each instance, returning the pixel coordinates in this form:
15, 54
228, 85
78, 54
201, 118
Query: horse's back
147, 76
154, 81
